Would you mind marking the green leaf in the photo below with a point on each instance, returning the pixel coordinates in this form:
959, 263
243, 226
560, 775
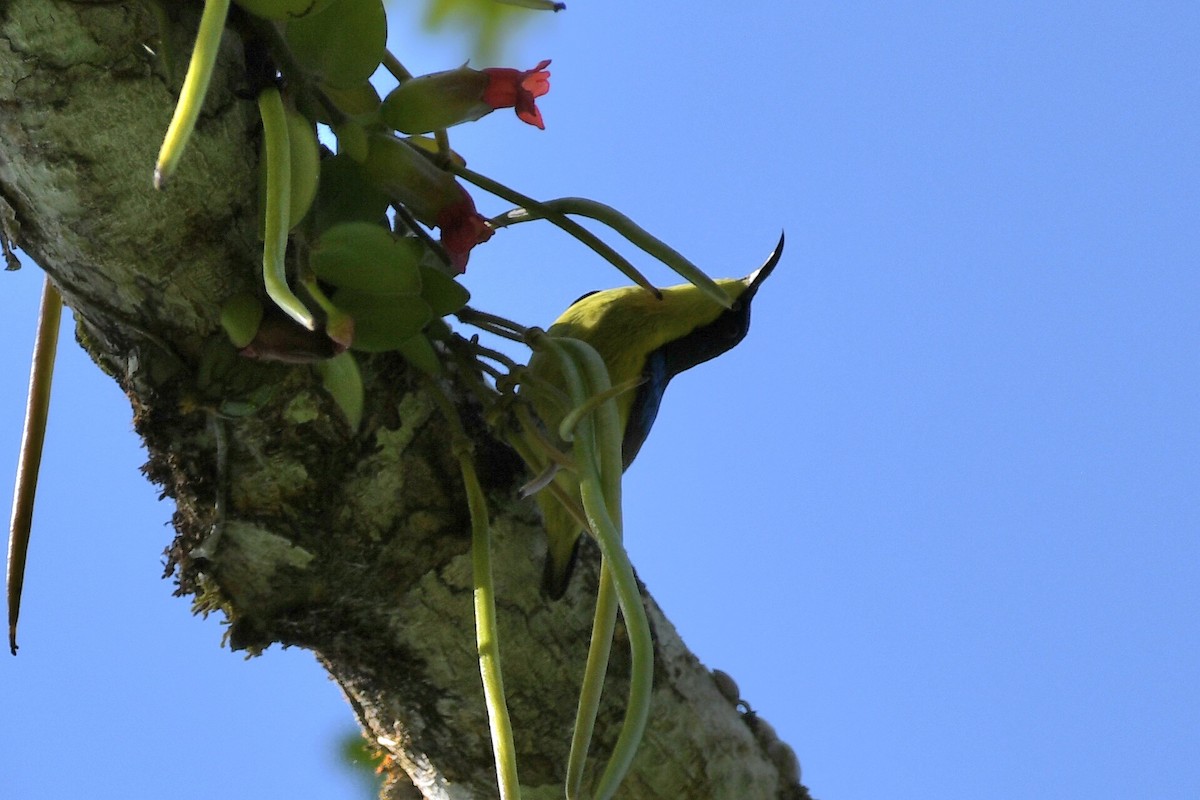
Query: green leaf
420, 353
240, 317
343, 44
383, 322
344, 194
444, 294
341, 378
368, 258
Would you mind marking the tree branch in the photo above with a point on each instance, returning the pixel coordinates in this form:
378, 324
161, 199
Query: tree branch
354, 546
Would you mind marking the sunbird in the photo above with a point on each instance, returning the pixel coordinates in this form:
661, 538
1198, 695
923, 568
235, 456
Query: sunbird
639, 336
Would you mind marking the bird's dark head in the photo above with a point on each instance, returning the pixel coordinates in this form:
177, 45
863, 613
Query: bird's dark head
728, 328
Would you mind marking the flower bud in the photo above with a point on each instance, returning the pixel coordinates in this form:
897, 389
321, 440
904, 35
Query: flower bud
444, 99
436, 102
432, 195
410, 178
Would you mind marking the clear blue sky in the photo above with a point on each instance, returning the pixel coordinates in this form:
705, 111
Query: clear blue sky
938, 514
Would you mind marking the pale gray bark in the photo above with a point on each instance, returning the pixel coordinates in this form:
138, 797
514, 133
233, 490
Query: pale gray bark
353, 546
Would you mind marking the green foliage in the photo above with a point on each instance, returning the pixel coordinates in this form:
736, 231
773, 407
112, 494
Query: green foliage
345, 194
240, 317
444, 294
383, 322
343, 44
341, 378
367, 257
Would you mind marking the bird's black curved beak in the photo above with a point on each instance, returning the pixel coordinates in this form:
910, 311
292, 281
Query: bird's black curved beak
760, 274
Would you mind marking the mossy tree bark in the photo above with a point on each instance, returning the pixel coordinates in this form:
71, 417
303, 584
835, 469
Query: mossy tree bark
352, 545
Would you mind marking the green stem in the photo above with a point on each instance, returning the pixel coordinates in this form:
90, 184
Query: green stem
495, 372
606, 420
486, 629
608, 436
640, 238
496, 355
487, 635
604, 618
594, 402
536, 433
279, 190
641, 644
33, 436
493, 324
393, 65
557, 218
443, 145
195, 86
600, 491
604, 625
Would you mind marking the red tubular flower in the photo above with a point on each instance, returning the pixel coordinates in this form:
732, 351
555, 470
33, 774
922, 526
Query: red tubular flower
430, 193
512, 88
462, 228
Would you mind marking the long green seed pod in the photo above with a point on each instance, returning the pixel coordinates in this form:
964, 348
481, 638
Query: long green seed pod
557, 218
195, 87
279, 191
636, 234
487, 635
597, 445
